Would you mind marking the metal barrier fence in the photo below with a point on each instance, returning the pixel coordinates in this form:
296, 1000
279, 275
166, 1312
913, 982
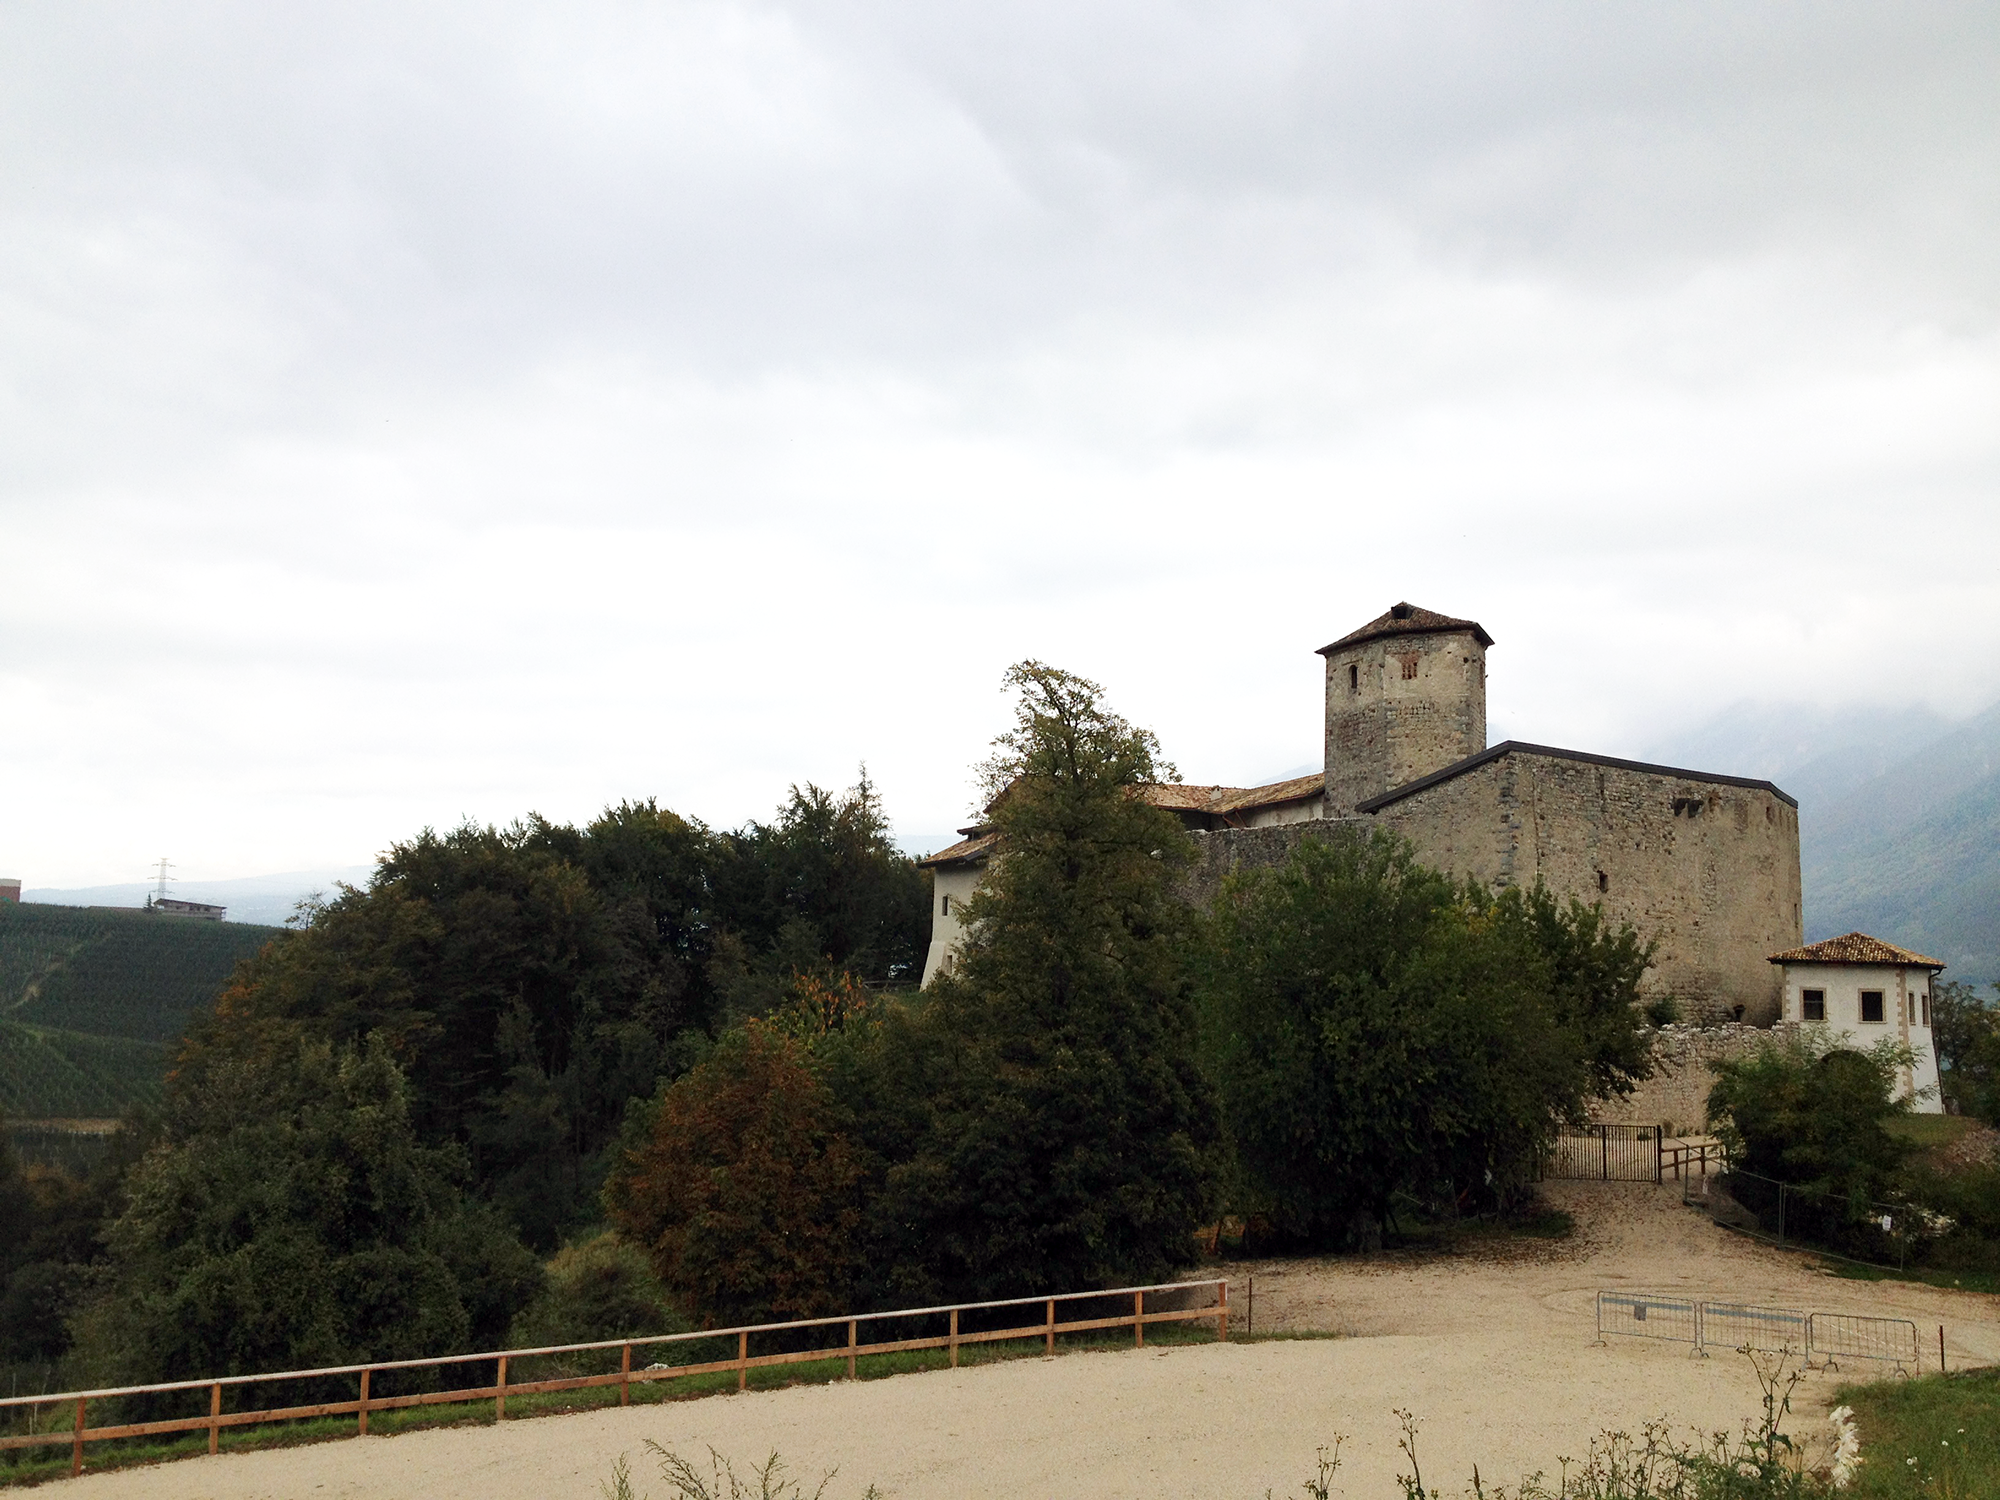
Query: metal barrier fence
1837, 1336
1605, 1153
1045, 1328
1643, 1315
1770, 1330
1823, 1339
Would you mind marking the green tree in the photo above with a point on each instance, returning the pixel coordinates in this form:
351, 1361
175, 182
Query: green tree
533, 980
1966, 1032
1590, 970
822, 891
741, 1190
49, 1240
289, 1218
1041, 1119
1379, 1029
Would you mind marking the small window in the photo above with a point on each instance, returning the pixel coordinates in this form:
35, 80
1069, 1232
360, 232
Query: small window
946, 906
1812, 1005
1409, 668
1925, 998
1871, 1007
1603, 881
1353, 679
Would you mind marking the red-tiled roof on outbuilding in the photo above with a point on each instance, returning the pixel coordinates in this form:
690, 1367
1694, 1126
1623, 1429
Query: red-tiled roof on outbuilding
1855, 948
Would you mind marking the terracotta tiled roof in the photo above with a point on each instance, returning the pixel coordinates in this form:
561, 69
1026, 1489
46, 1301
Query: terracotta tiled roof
1295, 790
1182, 797
964, 852
1855, 948
1409, 619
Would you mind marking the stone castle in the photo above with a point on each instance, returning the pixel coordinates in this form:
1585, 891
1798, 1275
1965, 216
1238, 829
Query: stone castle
1705, 865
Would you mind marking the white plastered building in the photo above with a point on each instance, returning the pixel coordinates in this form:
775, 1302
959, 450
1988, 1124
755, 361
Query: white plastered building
1863, 990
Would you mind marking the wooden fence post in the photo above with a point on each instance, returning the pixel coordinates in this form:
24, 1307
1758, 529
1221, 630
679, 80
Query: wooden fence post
1052, 1328
853, 1338
214, 1413
742, 1360
1222, 1316
363, 1414
1138, 1320
625, 1376
76, 1448
500, 1392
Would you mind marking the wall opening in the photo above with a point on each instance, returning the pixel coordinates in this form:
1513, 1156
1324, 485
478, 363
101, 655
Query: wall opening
1353, 679
1871, 1006
1812, 1005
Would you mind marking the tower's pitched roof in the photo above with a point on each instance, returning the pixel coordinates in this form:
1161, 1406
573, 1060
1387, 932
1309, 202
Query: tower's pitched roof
1855, 948
1409, 619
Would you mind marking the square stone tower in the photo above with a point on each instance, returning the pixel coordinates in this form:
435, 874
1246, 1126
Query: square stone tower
1405, 696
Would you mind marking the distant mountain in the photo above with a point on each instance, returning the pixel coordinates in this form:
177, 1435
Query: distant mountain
264, 899
1899, 819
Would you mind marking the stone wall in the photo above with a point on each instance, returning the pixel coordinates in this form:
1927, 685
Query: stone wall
1221, 850
1707, 869
1677, 1093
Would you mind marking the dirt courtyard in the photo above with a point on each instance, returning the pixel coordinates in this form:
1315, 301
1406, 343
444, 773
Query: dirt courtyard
1493, 1351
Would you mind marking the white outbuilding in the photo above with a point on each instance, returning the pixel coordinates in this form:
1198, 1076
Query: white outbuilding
1865, 989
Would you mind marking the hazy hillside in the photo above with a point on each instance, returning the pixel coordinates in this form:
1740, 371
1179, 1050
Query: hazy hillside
1899, 819
90, 998
1915, 852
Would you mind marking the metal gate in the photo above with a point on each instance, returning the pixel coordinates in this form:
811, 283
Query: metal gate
1606, 1153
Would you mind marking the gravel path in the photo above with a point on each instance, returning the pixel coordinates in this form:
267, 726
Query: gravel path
1492, 1350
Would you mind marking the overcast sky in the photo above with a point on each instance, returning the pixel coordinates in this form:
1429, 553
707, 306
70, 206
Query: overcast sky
422, 411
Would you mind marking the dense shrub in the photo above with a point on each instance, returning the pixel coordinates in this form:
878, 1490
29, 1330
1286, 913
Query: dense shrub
1802, 1111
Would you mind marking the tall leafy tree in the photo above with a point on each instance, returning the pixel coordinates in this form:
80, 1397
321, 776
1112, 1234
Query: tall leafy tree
741, 1189
1379, 1029
821, 890
1053, 1128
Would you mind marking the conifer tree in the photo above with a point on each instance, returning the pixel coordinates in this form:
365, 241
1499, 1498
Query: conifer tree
1070, 1139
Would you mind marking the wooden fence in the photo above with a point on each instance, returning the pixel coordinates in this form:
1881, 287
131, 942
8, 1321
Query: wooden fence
76, 1404
1685, 1159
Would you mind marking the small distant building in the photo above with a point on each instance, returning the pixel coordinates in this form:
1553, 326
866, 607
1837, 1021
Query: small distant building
10, 890
178, 908
1865, 989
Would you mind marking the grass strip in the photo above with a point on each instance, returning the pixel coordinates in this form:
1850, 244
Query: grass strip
1958, 1281
1937, 1436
